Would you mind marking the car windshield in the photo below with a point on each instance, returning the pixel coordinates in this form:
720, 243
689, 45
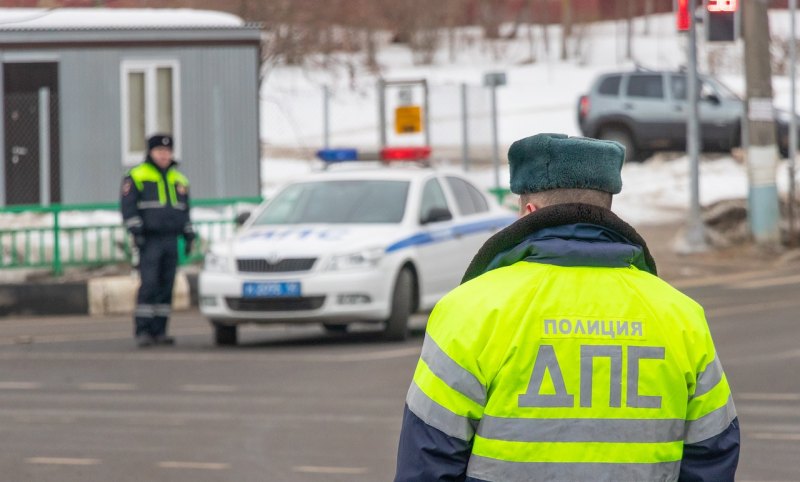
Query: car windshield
338, 202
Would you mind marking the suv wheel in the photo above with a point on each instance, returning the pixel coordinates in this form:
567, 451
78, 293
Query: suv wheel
623, 136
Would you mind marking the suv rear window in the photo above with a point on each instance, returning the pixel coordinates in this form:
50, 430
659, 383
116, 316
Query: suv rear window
609, 85
650, 86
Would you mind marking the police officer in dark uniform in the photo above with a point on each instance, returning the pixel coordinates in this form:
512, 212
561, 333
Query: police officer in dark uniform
155, 210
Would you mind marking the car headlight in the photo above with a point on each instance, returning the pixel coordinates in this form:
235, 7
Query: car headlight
216, 263
357, 260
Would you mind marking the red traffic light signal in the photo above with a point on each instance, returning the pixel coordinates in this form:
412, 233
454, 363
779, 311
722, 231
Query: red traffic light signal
682, 20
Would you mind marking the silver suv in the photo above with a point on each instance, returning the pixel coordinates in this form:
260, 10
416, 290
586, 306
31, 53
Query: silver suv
647, 111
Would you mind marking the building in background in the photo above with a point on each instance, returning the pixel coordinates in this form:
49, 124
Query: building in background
82, 88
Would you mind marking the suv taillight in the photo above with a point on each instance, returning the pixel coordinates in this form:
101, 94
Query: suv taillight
584, 106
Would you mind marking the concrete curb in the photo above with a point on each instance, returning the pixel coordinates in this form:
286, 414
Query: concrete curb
108, 295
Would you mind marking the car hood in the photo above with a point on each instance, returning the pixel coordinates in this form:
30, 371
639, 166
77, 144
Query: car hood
311, 240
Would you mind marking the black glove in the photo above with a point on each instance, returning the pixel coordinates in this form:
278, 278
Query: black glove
138, 240
187, 245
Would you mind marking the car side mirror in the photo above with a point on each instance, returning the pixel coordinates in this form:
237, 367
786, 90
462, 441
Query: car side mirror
435, 215
712, 98
242, 218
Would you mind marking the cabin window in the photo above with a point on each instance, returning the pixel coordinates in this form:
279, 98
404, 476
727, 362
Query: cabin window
149, 106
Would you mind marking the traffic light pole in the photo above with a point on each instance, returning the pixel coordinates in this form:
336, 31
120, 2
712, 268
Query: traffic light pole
694, 241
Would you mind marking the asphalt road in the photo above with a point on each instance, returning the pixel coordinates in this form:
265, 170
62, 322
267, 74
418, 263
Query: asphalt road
79, 403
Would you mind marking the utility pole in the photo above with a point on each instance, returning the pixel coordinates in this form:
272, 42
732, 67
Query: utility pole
793, 121
762, 159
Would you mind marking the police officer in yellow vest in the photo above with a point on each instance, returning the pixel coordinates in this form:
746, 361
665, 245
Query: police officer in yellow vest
155, 209
562, 356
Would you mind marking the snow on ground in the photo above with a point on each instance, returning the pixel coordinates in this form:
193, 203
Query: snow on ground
539, 97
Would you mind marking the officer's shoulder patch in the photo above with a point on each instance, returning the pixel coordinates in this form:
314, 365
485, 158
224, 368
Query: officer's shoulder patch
126, 187
182, 189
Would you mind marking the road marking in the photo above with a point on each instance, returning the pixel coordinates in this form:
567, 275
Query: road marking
720, 279
112, 387
369, 356
764, 306
771, 397
61, 461
193, 465
792, 437
64, 338
312, 469
771, 357
20, 386
766, 283
28, 324
209, 388
207, 356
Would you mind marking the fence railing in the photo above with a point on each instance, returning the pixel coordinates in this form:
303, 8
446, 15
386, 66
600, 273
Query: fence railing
64, 235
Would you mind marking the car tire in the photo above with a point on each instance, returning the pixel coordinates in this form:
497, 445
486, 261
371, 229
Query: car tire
624, 137
225, 335
334, 328
402, 298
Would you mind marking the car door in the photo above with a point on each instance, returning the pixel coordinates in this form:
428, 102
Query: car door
439, 265
644, 102
475, 222
719, 115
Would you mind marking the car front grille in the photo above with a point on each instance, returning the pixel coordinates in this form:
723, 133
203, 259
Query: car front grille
303, 303
260, 265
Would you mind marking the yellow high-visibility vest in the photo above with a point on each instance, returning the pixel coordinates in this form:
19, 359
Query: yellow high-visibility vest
571, 373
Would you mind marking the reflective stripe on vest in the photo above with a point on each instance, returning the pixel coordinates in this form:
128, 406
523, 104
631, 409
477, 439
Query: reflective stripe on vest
436, 416
489, 469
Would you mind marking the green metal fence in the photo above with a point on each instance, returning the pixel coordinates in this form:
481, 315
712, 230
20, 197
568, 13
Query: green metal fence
58, 236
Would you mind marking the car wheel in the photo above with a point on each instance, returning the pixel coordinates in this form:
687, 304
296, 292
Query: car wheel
334, 328
225, 335
402, 297
621, 135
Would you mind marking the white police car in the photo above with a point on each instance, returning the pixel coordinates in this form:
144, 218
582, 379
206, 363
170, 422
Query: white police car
345, 246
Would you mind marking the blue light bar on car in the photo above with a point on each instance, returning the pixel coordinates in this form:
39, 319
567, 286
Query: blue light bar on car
337, 155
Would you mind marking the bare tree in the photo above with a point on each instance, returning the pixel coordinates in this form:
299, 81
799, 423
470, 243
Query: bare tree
629, 13
544, 6
649, 6
491, 14
566, 26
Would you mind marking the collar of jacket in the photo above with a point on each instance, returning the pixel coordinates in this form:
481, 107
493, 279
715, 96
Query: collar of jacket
565, 235
150, 160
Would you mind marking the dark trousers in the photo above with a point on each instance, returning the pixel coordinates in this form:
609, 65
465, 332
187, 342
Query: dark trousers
158, 260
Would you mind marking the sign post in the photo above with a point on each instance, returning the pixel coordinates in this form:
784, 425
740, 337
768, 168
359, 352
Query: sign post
493, 80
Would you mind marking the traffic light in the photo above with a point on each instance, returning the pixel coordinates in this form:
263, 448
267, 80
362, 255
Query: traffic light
722, 20
682, 20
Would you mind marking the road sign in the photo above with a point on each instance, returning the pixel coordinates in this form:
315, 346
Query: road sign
494, 79
408, 119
